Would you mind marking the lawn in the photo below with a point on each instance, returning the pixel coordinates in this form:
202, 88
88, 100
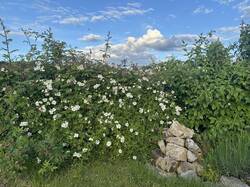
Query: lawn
117, 174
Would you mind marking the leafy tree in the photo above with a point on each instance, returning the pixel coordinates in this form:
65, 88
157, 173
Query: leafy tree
244, 42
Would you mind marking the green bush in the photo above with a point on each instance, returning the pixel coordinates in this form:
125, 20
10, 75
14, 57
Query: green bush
52, 115
231, 155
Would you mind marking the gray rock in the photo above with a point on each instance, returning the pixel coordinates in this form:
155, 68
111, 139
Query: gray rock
190, 174
167, 164
191, 156
176, 140
176, 152
193, 147
184, 167
162, 146
178, 130
232, 182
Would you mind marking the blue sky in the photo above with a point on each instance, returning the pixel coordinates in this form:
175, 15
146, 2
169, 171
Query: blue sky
141, 29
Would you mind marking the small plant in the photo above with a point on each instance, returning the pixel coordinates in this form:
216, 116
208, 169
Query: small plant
6, 42
231, 156
106, 54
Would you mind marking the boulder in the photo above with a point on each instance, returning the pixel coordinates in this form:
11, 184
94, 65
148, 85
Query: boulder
198, 168
176, 140
191, 156
167, 164
162, 146
176, 152
184, 167
156, 154
190, 174
178, 130
193, 147
232, 182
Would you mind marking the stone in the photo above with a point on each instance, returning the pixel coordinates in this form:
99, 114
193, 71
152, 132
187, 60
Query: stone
184, 167
232, 182
162, 146
167, 164
193, 147
156, 154
176, 152
178, 130
191, 156
176, 140
167, 174
198, 168
190, 174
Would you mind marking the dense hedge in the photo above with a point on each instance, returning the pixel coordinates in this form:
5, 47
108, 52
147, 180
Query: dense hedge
52, 115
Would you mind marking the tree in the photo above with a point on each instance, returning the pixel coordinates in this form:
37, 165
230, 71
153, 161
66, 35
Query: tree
244, 42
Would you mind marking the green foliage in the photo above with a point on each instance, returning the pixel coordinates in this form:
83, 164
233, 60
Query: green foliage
244, 42
58, 114
231, 155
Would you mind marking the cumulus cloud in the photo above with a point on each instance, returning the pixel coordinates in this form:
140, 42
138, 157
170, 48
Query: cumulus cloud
91, 38
202, 10
141, 49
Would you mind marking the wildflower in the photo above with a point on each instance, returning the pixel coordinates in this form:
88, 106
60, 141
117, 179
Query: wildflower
129, 95
136, 133
118, 126
134, 157
96, 86
76, 135
80, 67
53, 102
163, 107
75, 108
78, 155
120, 151
29, 134
23, 124
122, 139
38, 160
177, 110
131, 130
65, 124
134, 103
161, 122
141, 110
97, 142
100, 77
108, 144
84, 150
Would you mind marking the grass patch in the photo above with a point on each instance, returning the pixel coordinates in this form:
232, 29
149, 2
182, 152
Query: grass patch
118, 174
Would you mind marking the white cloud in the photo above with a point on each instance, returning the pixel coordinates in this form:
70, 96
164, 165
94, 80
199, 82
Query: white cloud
231, 29
202, 10
224, 2
244, 8
91, 38
142, 49
73, 20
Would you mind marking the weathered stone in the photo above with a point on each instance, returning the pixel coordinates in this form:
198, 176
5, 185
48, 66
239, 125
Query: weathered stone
162, 146
178, 130
191, 156
190, 174
167, 164
198, 168
156, 154
184, 167
166, 133
176, 140
193, 147
232, 182
176, 152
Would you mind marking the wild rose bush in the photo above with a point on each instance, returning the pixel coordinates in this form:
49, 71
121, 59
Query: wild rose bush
53, 115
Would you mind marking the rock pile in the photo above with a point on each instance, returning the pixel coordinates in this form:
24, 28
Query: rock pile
178, 154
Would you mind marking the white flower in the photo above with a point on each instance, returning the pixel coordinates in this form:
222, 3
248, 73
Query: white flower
163, 107
84, 150
76, 135
100, 76
131, 130
134, 103
108, 144
96, 86
126, 124
29, 134
129, 95
118, 126
120, 151
177, 110
45, 100
91, 139
161, 122
75, 108
23, 124
38, 160
134, 157
122, 139
65, 124
78, 155
136, 133
141, 110
53, 102
97, 142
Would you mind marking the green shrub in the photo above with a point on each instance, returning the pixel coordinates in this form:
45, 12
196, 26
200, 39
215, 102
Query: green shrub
231, 155
52, 115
